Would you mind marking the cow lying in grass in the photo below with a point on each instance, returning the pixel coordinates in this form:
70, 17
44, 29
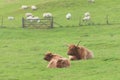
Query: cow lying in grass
56, 61
76, 52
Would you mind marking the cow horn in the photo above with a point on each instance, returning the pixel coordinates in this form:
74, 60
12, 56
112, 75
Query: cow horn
78, 43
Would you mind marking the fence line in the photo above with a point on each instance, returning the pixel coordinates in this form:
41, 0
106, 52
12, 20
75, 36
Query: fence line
49, 23
107, 21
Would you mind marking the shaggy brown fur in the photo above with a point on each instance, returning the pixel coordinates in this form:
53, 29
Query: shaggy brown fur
63, 62
49, 56
79, 52
56, 61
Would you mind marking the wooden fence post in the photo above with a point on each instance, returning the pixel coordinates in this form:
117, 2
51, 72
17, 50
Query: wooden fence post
23, 22
51, 22
2, 21
80, 22
107, 19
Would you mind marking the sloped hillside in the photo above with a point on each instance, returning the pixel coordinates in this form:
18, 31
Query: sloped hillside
59, 8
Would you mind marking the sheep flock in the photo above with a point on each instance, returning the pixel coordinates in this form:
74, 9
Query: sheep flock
35, 18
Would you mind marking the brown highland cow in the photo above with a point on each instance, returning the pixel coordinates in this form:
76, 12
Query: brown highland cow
56, 61
76, 52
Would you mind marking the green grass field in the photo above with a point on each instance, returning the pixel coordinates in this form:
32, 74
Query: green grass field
22, 50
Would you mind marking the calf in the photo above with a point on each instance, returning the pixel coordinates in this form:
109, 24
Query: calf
56, 61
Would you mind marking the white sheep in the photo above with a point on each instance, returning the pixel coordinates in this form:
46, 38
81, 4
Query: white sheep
47, 15
36, 19
91, 1
32, 18
68, 16
10, 18
86, 14
28, 14
33, 7
29, 17
86, 18
24, 7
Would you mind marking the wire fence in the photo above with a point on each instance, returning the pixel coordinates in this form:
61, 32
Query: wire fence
10, 23
106, 20
97, 20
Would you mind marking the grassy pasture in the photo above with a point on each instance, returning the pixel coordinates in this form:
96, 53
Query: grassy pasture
22, 50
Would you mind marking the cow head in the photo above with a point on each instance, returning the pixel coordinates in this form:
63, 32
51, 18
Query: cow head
72, 50
48, 56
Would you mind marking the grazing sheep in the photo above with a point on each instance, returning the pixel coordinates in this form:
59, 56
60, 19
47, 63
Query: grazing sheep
28, 14
33, 7
47, 15
56, 61
86, 18
10, 18
24, 7
29, 17
86, 14
36, 18
68, 16
76, 52
91, 1
32, 18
